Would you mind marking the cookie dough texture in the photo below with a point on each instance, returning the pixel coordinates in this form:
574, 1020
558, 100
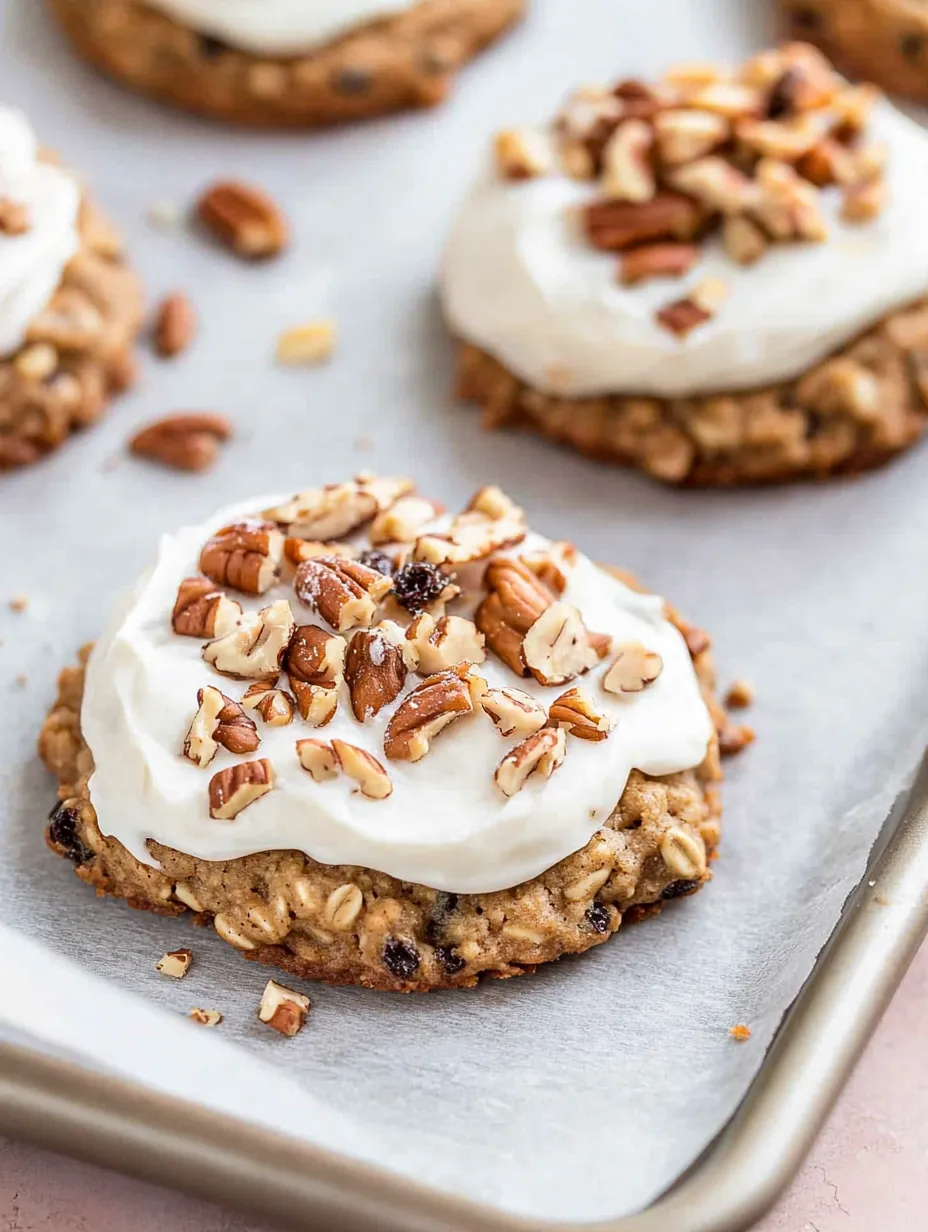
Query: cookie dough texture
854, 411
351, 925
885, 41
409, 60
78, 352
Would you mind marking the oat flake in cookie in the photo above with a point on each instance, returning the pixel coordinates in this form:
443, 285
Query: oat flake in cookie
380, 743
718, 277
69, 305
292, 63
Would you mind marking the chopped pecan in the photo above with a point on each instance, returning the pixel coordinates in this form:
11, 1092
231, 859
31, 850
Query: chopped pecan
175, 325
628, 173
315, 664
444, 643
311, 343
684, 136
575, 712
218, 721
298, 550
370, 776
522, 153
184, 442
340, 508
256, 647
788, 140
245, 556
233, 789
345, 593
864, 201
14, 217
664, 260
375, 668
283, 1009
745, 242
490, 523
716, 184
787, 205
557, 647
553, 566
200, 610
695, 308
727, 98
426, 711
633, 669
513, 711
244, 219
175, 964
616, 225
404, 521
734, 738
317, 757
275, 706
539, 754
516, 600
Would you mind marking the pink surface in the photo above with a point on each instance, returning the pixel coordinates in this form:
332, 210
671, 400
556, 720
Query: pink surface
866, 1174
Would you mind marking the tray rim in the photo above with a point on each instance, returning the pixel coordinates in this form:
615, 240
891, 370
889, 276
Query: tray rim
121, 1125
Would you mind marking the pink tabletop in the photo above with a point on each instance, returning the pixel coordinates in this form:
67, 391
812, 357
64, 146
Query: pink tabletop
866, 1173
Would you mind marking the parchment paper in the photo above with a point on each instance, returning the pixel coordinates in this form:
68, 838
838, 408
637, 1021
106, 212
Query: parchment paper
582, 1091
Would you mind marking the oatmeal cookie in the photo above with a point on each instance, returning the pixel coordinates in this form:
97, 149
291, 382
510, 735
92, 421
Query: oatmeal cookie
406, 60
324, 732
885, 41
78, 351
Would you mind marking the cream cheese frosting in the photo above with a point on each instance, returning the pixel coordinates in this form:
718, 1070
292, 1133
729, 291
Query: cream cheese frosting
521, 282
446, 824
31, 263
277, 27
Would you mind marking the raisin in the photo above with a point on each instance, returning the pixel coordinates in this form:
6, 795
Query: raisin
912, 45
450, 959
212, 48
442, 907
400, 958
599, 917
417, 585
677, 889
62, 831
378, 560
353, 81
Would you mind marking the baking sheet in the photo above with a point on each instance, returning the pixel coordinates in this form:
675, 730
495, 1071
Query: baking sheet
581, 1092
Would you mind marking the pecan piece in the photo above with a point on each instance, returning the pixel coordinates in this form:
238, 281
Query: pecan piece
345, 593
14, 217
445, 643
298, 550
233, 789
667, 260
317, 757
788, 205
283, 1009
575, 712
695, 308
256, 647
684, 136
375, 668
513, 711
616, 225
490, 523
275, 706
539, 754
245, 556
864, 201
218, 721
716, 184
200, 610
184, 442
522, 153
557, 647
628, 173
516, 600
553, 566
315, 664
340, 508
426, 711
633, 669
175, 326
244, 219
370, 776
744, 241
404, 521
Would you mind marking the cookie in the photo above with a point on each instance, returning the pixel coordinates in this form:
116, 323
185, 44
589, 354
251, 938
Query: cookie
718, 279
422, 783
71, 306
407, 57
885, 41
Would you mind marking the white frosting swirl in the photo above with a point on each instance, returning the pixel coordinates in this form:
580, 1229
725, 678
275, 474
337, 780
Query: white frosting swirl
522, 283
277, 27
446, 825
31, 264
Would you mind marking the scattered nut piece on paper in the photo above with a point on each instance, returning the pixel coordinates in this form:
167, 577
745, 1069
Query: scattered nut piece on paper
310, 343
175, 964
283, 1009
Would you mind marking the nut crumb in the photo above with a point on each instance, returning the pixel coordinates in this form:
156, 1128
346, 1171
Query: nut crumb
175, 964
163, 215
740, 695
740, 1033
283, 1009
312, 343
19, 602
206, 1018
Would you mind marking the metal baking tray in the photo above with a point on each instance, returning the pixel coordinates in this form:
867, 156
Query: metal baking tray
121, 1125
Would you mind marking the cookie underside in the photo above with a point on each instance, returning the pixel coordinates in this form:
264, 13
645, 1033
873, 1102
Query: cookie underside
286, 909
408, 60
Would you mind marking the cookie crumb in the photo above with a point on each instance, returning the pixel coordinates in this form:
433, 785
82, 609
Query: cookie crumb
175, 964
735, 738
19, 602
206, 1018
740, 1032
312, 343
163, 215
740, 695
283, 1009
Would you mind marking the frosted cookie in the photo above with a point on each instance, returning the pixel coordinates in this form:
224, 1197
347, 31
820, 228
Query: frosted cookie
885, 41
286, 62
69, 305
718, 278
377, 744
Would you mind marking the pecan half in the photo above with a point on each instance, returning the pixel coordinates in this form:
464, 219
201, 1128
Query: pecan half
175, 326
233, 789
275, 706
245, 556
218, 721
513, 711
539, 754
315, 664
375, 668
633, 669
444, 643
340, 508
345, 593
616, 225
256, 647
370, 776
283, 1009
557, 647
628, 173
667, 260
200, 610
244, 219
425, 712
575, 712
184, 442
